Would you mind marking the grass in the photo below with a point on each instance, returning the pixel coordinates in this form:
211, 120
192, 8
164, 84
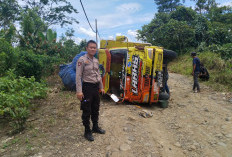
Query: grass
220, 71
5, 145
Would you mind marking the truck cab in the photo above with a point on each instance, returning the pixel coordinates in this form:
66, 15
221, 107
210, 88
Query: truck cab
132, 71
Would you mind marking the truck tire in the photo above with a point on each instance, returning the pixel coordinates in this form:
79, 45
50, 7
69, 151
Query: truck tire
169, 55
164, 96
163, 103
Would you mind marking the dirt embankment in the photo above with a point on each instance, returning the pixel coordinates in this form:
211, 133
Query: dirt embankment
194, 124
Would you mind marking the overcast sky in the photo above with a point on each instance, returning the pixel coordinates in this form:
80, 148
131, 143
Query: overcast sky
115, 17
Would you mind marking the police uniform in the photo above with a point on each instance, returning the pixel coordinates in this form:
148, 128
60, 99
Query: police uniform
89, 81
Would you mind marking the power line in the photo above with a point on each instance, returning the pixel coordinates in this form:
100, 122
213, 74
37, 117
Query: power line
87, 17
88, 20
98, 34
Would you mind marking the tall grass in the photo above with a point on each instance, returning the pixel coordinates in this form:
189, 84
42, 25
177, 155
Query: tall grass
220, 70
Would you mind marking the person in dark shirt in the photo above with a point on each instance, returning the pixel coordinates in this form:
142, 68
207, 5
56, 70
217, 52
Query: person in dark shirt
196, 71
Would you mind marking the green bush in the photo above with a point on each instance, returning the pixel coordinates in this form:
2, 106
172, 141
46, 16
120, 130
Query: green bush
212, 61
15, 96
220, 70
225, 51
8, 57
31, 64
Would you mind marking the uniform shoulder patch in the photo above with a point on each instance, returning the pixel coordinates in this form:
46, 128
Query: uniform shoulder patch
79, 63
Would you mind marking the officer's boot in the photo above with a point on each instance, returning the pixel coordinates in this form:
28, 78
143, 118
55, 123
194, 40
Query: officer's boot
88, 134
97, 129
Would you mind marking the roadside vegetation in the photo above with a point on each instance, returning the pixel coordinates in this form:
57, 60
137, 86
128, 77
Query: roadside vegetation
30, 51
220, 70
205, 30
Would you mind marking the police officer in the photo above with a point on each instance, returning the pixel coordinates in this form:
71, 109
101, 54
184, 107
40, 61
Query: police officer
88, 83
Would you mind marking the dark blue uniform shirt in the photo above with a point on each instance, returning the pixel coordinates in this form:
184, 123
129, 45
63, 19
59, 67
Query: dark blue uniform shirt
197, 62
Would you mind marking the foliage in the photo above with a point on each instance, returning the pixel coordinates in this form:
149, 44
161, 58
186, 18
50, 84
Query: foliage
219, 69
53, 12
8, 34
83, 45
220, 14
25, 62
15, 97
9, 10
29, 64
70, 49
183, 28
225, 50
219, 33
177, 35
31, 26
184, 14
33, 51
204, 5
170, 30
167, 5
8, 57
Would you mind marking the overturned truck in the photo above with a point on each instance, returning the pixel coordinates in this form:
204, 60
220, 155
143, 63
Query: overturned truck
134, 72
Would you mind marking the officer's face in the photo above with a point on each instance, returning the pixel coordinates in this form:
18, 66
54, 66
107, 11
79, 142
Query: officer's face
91, 49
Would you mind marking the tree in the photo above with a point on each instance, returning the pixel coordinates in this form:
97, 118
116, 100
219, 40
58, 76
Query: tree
9, 11
52, 11
31, 25
177, 35
219, 33
184, 14
149, 32
83, 45
201, 29
167, 5
8, 34
70, 33
204, 5
171, 30
220, 14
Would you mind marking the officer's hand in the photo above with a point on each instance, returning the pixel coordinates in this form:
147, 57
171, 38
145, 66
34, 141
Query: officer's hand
80, 96
192, 73
102, 91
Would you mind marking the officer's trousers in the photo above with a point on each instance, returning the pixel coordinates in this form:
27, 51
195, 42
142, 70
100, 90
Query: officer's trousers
90, 104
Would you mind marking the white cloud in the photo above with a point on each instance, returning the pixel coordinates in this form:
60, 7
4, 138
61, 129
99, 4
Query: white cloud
129, 7
77, 40
119, 19
21, 3
132, 33
118, 34
226, 4
85, 31
110, 37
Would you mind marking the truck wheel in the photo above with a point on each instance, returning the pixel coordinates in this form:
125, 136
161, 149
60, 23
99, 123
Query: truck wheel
164, 96
169, 55
163, 103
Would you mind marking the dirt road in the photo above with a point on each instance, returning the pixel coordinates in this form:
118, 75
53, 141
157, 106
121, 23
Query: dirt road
193, 125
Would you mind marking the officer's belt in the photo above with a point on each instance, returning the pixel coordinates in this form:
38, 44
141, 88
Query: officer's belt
96, 85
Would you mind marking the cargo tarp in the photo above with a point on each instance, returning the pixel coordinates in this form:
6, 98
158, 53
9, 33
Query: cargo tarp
68, 72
